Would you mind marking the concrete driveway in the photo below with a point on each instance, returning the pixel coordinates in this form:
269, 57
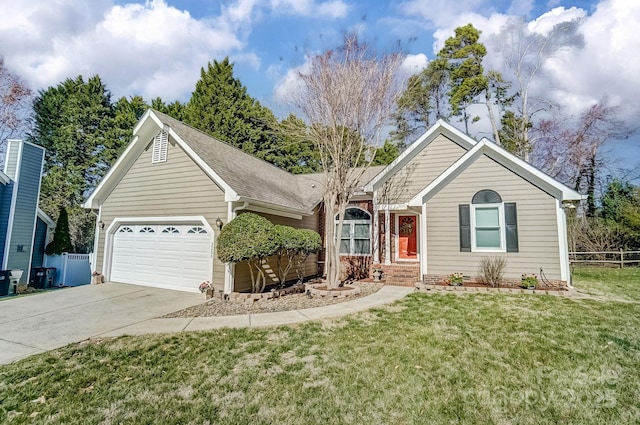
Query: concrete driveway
38, 323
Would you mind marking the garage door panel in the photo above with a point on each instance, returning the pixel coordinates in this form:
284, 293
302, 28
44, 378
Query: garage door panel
164, 255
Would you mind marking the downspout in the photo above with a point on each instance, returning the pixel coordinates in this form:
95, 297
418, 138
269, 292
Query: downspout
229, 268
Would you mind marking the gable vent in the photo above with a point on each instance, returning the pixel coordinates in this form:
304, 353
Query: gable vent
160, 147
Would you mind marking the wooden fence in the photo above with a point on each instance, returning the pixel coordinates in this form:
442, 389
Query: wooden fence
620, 258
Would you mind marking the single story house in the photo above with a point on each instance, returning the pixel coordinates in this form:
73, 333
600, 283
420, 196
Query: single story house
443, 205
24, 228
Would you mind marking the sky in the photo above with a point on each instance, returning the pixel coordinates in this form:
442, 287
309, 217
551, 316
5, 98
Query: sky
157, 47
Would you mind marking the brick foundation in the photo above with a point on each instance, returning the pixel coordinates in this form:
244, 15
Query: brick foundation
398, 274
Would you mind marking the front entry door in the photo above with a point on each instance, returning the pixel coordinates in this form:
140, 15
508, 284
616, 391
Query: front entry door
407, 237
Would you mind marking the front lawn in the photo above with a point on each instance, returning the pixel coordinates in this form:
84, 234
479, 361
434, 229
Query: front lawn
432, 359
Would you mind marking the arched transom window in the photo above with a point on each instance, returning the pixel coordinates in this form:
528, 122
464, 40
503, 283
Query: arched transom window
488, 224
356, 232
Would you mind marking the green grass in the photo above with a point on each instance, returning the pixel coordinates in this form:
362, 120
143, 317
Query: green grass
614, 283
430, 359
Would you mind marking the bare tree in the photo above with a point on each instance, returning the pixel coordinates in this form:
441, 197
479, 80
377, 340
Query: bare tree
525, 53
569, 150
347, 96
15, 102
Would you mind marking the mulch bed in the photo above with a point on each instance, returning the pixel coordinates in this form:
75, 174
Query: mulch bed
217, 307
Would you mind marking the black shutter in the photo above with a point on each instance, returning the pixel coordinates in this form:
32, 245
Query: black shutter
511, 224
465, 227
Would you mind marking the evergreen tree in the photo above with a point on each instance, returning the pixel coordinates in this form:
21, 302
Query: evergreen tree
221, 107
386, 154
61, 238
75, 122
174, 110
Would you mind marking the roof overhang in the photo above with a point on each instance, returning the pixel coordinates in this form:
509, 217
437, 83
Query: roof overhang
4, 179
439, 128
523, 169
44, 217
148, 126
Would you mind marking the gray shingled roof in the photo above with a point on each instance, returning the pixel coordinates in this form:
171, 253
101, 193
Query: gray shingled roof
248, 176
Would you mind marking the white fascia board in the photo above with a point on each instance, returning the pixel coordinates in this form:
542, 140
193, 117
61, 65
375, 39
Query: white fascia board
279, 210
446, 177
230, 195
507, 160
532, 174
439, 128
4, 179
393, 207
114, 175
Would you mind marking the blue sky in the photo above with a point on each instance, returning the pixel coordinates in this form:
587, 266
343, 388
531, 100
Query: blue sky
157, 47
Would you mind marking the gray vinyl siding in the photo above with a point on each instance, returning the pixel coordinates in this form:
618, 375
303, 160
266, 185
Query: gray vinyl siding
177, 187
536, 215
242, 276
39, 243
26, 205
436, 157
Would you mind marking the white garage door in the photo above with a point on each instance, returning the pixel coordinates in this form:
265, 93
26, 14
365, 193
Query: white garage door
162, 255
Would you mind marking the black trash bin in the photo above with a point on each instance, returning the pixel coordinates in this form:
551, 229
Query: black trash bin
42, 277
4, 282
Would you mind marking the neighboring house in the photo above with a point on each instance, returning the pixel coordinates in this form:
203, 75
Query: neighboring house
24, 228
445, 203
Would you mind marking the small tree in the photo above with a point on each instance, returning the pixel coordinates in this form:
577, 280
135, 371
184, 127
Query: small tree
287, 250
308, 242
295, 247
346, 96
61, 237
248, 238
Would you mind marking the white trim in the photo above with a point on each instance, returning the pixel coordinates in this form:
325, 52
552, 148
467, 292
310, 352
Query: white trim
424, 264
12, 208
267, 210
230, 195
44, 217
387, 237
501, 224
519, 167
118, 221
96, 240
352, 239
376, 229
394, 207
135, 148
439, 128
91, 201
563, 243
4, 179
396, 238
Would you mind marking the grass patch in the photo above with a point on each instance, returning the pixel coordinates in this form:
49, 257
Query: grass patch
437, 359
613, 283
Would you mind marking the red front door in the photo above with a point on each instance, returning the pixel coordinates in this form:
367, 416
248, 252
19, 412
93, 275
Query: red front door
407, 237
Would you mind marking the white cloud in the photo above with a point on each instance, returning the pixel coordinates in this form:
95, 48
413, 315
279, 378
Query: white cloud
413, 64
545, 23
329, 9
150, 49
440, 13
291, 83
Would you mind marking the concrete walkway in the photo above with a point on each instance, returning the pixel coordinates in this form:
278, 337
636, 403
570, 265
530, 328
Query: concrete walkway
386, 295
38, 323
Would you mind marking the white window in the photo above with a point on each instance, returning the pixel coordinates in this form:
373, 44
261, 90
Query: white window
487, 222
125, 229
356, 232
197, 230
160, 147
147, 230
170, 230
